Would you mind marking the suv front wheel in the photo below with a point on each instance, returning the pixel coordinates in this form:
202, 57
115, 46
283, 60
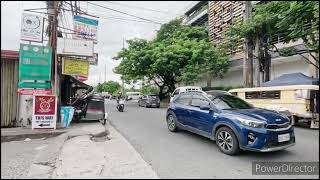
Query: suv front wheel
227, 141
171, 122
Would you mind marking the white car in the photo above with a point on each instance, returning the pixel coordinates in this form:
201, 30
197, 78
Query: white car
133, 96
185, 89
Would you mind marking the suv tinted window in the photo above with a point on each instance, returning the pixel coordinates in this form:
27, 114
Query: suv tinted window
198, 100
183, 99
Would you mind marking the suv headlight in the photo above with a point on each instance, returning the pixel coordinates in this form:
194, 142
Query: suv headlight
251, 123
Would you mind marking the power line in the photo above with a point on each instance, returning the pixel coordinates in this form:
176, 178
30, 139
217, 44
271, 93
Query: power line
124, 13
138, 7
102, 16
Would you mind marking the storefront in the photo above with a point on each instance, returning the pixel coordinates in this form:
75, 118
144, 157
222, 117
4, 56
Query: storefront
9, 81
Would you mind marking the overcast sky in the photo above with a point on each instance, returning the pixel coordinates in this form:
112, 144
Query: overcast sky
111, 31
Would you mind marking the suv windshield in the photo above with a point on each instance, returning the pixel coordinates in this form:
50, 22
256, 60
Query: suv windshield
229, 102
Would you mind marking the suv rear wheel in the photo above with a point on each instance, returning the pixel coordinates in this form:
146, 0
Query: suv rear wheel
227, 141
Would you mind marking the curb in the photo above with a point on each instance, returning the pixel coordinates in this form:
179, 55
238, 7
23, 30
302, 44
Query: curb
20, 137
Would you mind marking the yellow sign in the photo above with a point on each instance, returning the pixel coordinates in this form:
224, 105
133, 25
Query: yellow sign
75, 67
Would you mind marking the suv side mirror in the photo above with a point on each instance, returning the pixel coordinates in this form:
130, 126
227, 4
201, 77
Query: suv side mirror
205, 107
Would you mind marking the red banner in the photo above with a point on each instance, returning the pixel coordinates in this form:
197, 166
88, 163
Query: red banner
35, 91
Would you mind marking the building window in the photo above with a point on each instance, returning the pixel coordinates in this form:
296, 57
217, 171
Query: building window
263, 95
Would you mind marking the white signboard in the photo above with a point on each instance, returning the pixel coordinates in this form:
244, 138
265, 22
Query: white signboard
44, 114
75, 47
31, 27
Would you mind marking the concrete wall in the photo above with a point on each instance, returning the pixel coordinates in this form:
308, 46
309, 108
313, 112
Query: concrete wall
283, 65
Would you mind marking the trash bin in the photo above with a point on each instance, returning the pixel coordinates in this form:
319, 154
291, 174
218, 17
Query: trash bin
66, 115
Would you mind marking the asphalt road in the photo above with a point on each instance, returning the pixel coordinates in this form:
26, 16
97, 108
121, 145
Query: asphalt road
187, 155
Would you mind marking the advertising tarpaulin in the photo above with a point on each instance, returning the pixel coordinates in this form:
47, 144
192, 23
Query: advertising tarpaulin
44, 112
85, 28
75, 67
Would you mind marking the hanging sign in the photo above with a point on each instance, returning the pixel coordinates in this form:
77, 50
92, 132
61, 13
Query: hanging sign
85, 28
75, 67
44, 112
31, 27
75, 47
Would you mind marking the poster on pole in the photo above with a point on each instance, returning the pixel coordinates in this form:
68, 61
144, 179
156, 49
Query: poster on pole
85, 28
31, 27
44, 112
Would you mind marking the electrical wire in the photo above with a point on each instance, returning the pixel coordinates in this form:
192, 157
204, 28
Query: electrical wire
124, 13
138, 7
112, 17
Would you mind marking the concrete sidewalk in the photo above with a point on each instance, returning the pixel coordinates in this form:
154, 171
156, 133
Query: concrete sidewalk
85, 152
84, 157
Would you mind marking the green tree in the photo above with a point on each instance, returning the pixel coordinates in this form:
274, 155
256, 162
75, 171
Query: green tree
179, 53
110, 87
148, 89
292, 20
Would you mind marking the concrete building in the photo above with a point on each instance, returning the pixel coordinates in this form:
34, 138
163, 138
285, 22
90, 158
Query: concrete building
223, 13
197, 14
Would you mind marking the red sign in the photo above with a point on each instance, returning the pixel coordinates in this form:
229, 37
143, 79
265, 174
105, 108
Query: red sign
82, 78
35, 91
44, 105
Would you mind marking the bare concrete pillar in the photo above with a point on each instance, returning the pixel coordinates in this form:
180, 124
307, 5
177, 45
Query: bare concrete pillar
25, 109
314, 71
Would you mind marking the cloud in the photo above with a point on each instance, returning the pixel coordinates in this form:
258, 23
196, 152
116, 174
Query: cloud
111, 32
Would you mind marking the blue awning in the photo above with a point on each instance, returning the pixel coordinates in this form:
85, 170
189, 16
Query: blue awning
291, 79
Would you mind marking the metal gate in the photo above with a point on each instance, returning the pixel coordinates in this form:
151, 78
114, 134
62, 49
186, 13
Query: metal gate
9, 95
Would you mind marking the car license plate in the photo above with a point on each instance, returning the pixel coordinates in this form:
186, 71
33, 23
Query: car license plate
153, 104
283, 137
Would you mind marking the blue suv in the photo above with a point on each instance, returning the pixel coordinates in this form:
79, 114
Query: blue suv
233, 123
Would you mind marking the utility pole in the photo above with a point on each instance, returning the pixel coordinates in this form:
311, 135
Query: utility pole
105, 72
53, 24
122, 59
248, 46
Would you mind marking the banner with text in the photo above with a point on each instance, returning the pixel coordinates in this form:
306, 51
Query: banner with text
44, 112
75, 67
85, 28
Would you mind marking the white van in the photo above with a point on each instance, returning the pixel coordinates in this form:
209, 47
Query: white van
185, 89
133, 95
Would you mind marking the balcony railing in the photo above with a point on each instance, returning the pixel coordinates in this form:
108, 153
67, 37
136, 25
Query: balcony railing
189, 18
